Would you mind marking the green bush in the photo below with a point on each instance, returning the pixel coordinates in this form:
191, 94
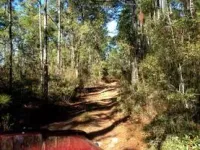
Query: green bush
96, 73
62, 88
152, 72
133, 98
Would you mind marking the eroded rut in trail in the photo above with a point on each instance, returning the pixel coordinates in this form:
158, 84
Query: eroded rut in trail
104, 123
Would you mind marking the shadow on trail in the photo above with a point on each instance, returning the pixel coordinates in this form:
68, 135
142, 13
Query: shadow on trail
37, 116
107, 129
46, 114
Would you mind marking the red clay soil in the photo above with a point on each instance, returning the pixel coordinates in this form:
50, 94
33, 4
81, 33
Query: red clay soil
105, 124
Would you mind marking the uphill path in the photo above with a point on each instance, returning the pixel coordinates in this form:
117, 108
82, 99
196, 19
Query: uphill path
99, 116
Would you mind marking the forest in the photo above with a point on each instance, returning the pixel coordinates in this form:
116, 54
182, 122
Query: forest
55, 55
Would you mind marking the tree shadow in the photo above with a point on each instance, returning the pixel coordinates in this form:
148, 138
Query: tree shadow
129, 149
30, 112
36, 117
94, 119
94, 134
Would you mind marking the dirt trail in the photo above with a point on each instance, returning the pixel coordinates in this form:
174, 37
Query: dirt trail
101, 119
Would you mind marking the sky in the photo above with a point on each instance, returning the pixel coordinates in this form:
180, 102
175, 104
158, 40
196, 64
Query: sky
112, 28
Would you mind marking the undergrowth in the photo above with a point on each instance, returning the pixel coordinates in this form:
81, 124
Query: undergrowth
172, 126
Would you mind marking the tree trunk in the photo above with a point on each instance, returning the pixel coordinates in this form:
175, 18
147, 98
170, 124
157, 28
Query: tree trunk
11, 47
45, 53
133, 52
164, 6
59, 37
72, 57
192, 9
181, 84
41, 49
77, 66
134, 71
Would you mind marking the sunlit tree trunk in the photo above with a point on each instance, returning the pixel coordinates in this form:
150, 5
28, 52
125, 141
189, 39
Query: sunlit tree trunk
192, 9
45, 53
89, 57
163, 4
134, 71
189, 7
181, 82
76, 58
41, 49
72, 57
11, 46
59, 36
72, 52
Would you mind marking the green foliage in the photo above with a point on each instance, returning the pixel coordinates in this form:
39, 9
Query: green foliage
152, 72
134, 98
171, 63
4, 99
182, 143
63, 88
180, 97
113, 63
5, 124
146, 6
96, 74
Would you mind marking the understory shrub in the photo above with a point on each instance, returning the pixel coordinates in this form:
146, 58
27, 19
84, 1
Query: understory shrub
174, 114
4, 99
62, 88
5, 118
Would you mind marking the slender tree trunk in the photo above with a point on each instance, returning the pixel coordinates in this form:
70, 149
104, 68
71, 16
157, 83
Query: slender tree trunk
45, 53
72, 53
11, 47
192, 9
181, 83
41, 49
134, 72
164, 6
77, 67
133, 52
72, 57
59, 36
89, 58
